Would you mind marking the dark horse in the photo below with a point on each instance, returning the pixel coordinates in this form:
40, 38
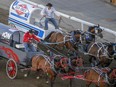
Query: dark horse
75, 62
89, 36
67, 41
101, 54
89, 45
100, 77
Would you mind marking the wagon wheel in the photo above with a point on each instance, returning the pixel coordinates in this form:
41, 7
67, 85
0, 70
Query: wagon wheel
11, 68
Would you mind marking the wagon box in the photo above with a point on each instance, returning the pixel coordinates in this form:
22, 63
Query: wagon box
9, 38
11, 48
11, 44
8, 35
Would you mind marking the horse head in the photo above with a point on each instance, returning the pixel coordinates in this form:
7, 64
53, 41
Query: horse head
76, 35
100, 53
114, 50
64, 64
56, 61
76, 38
111, 49
112, 76
113, 73
96, 30
76, 61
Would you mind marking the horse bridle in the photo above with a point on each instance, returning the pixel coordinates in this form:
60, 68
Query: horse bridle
99, 49
75, 41
63, 60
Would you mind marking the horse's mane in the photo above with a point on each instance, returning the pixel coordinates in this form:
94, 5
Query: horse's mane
76, 32
92, 27
49, 35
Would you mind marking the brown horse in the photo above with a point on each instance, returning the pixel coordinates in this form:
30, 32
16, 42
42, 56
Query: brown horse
100, 54
75, 62
42, 62
67, 41
100, 77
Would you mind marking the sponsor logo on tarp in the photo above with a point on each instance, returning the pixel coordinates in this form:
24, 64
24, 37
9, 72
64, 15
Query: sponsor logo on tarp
21, 10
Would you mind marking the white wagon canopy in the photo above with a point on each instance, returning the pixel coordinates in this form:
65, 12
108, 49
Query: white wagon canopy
24, 15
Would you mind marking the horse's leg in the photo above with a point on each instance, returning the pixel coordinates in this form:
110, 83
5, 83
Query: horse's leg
47, 78
52, 80
93, 61
51, 83
71, 80
88, 84
28, 72
90, 60
40, 72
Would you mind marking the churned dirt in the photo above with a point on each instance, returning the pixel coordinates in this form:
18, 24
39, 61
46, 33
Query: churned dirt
3, 16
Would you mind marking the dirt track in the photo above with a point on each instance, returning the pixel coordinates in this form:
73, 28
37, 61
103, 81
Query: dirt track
3, 16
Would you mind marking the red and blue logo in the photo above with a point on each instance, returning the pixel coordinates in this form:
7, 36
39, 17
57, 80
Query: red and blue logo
21, 10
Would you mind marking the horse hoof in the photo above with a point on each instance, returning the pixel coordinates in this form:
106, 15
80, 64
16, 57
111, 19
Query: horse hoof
47, 82
37, 77
25, 75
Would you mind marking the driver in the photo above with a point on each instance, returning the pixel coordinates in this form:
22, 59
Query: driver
27, 41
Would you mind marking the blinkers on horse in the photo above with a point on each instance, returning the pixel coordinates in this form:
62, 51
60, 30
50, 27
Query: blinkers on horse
111, 48
75, 37
92, 31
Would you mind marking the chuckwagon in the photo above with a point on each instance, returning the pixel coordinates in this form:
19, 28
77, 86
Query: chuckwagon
25, 15
11, 48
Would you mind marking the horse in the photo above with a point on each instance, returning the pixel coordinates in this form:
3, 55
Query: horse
67, 41
100, 54
75, 62
88, 37
111, 47
51, 69
100, 77
92, 32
